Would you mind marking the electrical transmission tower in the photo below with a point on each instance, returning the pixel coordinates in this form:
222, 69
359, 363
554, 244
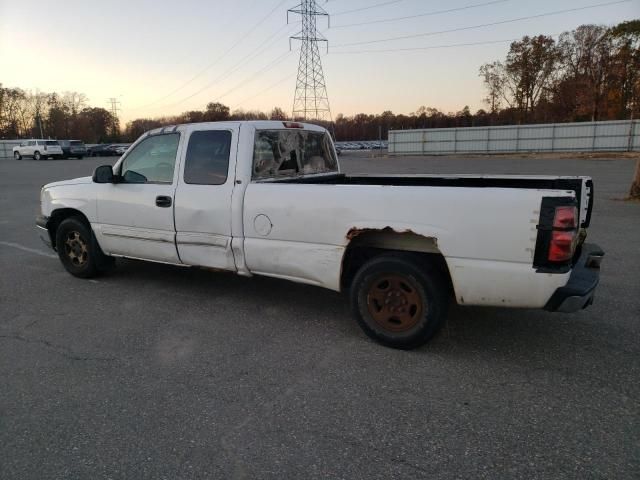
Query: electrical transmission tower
115, 126
310, 101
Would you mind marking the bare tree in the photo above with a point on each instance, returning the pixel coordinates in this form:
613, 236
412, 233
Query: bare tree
494, 80
277, 114
531, 63
587, 54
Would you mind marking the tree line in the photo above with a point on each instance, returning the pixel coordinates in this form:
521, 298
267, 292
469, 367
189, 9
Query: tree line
590, 73
25, 114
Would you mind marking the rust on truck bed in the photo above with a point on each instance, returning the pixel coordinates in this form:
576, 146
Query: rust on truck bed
389, 237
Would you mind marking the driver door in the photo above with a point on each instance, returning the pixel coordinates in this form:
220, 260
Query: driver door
135, 215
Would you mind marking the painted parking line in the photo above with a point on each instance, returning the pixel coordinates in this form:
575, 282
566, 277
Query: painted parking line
27, 249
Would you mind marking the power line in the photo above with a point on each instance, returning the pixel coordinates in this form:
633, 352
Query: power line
265, 69
215, 62
279, 82
502, 22
432, 47
409, 17
224, 75
383, 4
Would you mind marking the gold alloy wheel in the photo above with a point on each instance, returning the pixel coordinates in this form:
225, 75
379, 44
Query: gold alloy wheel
76, 249
394, 302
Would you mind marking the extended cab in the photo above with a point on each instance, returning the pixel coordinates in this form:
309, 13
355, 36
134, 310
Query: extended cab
268, 198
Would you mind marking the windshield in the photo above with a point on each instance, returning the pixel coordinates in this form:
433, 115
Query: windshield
285, 153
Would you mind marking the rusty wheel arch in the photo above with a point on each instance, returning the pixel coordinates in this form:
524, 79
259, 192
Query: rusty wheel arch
367, 243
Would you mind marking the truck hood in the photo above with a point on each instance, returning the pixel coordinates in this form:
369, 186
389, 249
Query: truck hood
73, 181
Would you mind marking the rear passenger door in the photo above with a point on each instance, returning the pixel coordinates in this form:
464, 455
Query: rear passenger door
203, 198
30, 148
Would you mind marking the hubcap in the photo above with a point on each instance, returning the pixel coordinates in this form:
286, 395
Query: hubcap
394, 302
76, 249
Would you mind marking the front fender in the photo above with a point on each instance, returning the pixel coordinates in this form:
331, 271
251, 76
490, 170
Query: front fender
77, 197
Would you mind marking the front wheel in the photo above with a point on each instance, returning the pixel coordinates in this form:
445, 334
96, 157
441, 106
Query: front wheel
17, 155
79, 251
37, 156
399, 301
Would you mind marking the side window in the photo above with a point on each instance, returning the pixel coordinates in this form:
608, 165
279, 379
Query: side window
31, 143
152, 161
207, 159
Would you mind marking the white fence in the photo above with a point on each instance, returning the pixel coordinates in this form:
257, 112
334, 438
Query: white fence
614, 136
6, 148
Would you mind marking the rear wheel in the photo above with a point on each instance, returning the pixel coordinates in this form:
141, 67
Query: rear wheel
79, 251
37, 156
399, 301
17, 155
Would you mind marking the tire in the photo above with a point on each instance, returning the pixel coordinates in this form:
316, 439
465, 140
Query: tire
79, 251
80, 157
399, 300
37, 156
17, 155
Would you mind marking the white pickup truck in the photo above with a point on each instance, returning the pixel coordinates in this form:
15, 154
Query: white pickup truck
268, 198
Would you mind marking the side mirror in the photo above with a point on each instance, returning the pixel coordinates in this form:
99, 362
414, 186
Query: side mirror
103, 174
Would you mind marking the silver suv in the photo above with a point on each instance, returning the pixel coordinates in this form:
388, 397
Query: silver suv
38, 149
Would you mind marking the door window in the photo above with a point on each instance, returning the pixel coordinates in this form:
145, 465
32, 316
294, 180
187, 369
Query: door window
207, 159
153, 160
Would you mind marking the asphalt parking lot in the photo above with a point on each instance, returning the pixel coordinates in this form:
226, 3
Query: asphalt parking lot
162, 372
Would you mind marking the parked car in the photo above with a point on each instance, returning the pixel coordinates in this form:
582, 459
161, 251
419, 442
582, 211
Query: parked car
73, 148
268, 198
118, 150
38, 149
100, 150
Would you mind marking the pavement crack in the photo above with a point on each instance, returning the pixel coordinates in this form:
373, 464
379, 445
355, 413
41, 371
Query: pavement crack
58, 349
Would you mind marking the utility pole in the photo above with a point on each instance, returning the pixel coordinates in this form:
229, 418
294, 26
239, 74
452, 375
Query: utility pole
310, 100
114, 115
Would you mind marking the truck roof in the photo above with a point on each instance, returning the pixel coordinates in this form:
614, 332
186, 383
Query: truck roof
257, 124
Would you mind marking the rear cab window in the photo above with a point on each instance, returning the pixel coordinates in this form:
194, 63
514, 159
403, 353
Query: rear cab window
292, 153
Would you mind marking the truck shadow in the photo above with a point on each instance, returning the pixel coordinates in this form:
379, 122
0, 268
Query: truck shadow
486, 332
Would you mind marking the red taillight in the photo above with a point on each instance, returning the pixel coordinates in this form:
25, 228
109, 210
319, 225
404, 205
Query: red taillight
564, 234
292, 125
566, 217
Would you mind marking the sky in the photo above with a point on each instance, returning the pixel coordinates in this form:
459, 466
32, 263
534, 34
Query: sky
162, 58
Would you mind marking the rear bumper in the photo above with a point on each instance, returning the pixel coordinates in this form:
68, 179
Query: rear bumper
579, 291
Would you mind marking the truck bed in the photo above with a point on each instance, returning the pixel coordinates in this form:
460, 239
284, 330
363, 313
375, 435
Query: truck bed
574, 184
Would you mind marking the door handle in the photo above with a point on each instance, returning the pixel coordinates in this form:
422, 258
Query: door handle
163, 201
